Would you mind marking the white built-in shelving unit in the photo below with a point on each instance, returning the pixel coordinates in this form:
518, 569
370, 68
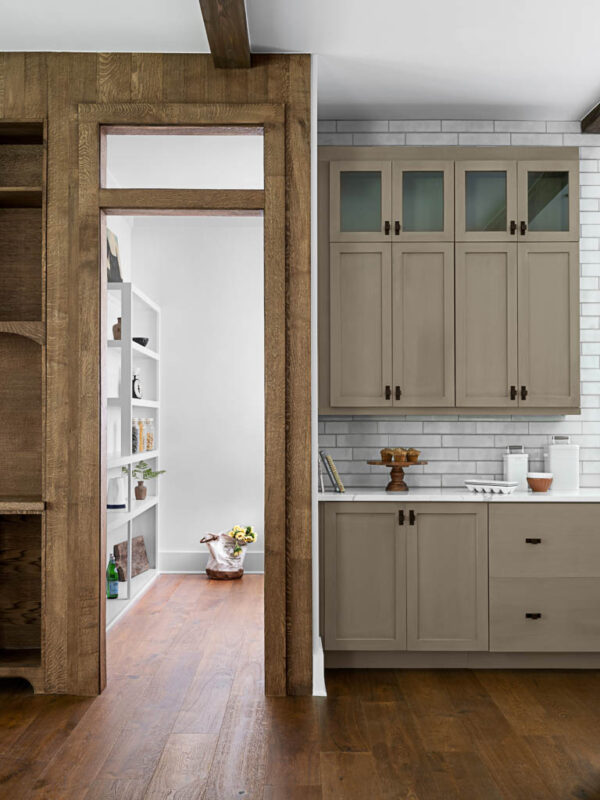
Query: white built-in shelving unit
140, 317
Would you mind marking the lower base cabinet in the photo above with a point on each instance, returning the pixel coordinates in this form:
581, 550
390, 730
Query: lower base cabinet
447, 577
398, 576
414, 577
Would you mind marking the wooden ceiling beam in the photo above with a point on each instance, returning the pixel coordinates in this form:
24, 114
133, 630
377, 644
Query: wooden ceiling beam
227, 31
591, 122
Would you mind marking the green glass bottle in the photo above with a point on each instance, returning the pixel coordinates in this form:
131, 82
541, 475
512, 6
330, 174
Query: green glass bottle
112, 580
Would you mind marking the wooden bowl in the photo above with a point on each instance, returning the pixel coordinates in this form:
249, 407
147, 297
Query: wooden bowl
539, 481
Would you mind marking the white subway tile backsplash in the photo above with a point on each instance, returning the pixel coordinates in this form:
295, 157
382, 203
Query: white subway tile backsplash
467, 126
378, 139
431, 138
472, 446
362, 126
521, 126
415, 125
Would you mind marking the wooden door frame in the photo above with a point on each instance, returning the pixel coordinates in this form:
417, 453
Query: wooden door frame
279, 388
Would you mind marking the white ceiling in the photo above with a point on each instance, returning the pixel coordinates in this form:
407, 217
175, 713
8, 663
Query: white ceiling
379, 59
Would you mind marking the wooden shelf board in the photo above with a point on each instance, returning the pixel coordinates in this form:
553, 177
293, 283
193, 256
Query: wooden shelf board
9, 659
20, 196
31, 330
21, 505
146, 403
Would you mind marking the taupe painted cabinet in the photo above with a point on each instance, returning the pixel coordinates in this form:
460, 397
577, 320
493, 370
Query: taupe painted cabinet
545, 577
392, 324
398, 576
453, 284
447, 577
364, 550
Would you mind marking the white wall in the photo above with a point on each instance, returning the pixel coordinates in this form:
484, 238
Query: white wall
207, 275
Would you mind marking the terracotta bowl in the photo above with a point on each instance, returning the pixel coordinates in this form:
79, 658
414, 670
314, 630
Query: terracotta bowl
539, 481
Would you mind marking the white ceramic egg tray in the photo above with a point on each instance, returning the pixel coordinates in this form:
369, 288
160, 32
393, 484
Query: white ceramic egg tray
491, 487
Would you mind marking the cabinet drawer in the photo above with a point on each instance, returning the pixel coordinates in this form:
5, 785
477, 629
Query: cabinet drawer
557, 540
569, 609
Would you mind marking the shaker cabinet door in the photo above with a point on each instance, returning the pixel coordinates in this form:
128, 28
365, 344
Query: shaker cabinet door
486, 325
486, 201
423, 201
549, 325
360, 201
548, 201
423, 324
364, 552
447, 577
361, 325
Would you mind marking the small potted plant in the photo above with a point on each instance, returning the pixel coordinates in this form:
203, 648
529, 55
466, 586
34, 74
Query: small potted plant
142, 472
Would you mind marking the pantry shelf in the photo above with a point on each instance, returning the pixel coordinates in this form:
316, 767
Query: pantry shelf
123, 461
114, 519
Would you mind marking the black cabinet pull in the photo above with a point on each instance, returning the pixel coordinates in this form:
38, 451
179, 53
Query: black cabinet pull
387, 227
398, 393
411, 517
523, 227
397, 227
388, 392
401, 517
513, 227
513, 392
533, 541
530, 615
524, 393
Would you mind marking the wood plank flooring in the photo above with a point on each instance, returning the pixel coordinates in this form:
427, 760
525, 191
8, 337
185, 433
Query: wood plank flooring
184, 717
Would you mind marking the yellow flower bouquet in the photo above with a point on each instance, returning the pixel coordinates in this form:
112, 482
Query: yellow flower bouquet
242, 536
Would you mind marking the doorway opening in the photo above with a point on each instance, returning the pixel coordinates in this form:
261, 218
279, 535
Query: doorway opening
183, 370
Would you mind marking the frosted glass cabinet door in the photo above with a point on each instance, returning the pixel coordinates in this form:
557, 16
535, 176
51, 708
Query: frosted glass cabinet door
360, 201
486, 201
423, 201
548, 202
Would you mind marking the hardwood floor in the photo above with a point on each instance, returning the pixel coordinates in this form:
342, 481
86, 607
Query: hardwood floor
184, 717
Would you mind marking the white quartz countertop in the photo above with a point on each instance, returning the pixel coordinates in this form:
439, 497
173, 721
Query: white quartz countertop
459, 496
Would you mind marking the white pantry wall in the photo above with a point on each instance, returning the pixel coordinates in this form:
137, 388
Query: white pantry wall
206, 273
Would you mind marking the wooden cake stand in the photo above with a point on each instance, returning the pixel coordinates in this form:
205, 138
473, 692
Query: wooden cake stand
397, 483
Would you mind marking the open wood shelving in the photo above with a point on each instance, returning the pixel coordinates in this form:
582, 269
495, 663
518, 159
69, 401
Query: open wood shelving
22, 399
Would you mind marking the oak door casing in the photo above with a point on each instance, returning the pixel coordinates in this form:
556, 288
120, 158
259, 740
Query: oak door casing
336, 168
361, 324
570, 167
423, 324
398, 170
447, 577
486, 325
364, 577
548, 323
460, 170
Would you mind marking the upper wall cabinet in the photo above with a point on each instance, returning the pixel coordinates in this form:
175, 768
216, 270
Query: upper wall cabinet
548, 203
382, 201
423, 201
486, 201
502, 201
360, 201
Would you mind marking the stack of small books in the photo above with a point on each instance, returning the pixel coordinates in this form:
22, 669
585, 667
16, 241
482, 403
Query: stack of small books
327, 465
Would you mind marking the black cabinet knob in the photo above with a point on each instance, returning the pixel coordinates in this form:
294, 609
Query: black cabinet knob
533, 615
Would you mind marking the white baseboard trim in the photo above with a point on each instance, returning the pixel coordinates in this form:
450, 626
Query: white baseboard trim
319, 688
483, 660
181, 561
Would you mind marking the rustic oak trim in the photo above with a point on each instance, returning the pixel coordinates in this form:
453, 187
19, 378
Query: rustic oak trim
227, 32
173, 199
143, 91
31, 330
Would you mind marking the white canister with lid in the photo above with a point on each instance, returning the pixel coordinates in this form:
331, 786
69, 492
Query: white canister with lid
562, 460
516, 466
